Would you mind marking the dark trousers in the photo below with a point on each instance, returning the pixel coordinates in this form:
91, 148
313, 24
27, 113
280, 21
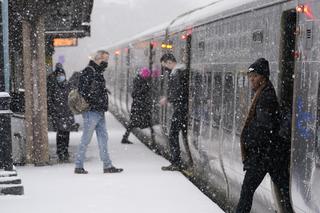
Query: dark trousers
129, 129
252, 180
179, 122
63, 144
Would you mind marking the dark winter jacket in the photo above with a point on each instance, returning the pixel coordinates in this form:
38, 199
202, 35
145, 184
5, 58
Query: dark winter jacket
58, 109
141, 108
178, 89
92, 87
261, 135
74, 80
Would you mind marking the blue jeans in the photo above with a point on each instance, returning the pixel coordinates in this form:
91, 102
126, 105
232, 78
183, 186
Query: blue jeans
94, 121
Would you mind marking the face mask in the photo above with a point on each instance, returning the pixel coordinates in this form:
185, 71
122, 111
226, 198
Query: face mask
103, 64
61, 78
167, 69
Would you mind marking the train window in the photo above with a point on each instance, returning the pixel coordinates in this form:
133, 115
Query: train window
216, 98
228, 101
309, 35
201, 47
257, 36
128, 57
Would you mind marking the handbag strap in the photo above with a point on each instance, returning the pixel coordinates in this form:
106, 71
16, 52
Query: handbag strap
93, 84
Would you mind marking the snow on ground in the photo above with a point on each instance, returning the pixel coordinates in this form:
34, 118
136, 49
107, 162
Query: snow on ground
141, 188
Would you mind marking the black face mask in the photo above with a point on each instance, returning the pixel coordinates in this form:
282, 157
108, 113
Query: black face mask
103, 65
167, 69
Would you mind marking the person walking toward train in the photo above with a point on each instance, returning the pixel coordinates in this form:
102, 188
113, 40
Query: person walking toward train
92, 87
260, 140
59, 113
178, 97
141, 108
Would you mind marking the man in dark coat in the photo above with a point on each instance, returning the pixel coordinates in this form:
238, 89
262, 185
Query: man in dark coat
141, 108
92, 87
178, 96
59, 113
260, 142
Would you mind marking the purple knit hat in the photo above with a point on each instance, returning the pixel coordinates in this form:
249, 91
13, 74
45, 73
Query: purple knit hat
145, 72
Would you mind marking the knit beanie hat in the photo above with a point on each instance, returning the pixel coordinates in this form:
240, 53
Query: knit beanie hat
260, 66
145, 72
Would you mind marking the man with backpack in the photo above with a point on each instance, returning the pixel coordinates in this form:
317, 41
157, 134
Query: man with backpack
92, 87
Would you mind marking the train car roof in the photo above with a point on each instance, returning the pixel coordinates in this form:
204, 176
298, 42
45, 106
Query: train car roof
216, 10
145, 35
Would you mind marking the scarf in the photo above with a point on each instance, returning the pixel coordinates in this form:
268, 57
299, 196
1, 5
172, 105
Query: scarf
250, 116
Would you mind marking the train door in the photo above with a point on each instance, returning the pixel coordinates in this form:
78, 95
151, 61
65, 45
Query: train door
116, 80
123, 81
305, 169
128, 65
155, 67
197, 97
286, 75
181, 49
287, 63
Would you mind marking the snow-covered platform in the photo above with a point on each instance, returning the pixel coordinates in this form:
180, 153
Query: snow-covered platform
142, 188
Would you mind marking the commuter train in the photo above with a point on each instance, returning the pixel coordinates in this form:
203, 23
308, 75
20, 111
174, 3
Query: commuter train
218, 42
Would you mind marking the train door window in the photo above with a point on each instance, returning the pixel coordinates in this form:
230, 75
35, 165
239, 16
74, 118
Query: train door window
206, 117
228, 101
216, 98
242, 100
197, 95
201, 46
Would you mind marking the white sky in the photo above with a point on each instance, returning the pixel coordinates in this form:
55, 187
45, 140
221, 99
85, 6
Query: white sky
114, 20
141, 188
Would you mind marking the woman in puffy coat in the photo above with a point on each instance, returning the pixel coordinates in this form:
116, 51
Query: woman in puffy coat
59, 113
141, 108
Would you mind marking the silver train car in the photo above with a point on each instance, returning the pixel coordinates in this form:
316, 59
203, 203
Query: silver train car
218, 42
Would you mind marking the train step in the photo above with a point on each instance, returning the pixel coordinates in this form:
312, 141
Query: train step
7, 173
10, 180
11, 189
10, 183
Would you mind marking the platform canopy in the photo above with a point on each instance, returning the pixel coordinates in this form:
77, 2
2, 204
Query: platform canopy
62, 18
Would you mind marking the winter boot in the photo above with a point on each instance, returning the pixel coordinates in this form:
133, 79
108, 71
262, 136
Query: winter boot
112, 170
80, 171
171, 167
126, 141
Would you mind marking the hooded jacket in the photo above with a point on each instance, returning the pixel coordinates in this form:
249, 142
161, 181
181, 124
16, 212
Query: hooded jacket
92, 87
178, 89
58, 110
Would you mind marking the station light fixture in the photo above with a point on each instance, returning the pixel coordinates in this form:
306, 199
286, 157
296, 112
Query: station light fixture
153, 43
166, 46
300, 8
189, 31
65, 42
296, 54
306, 10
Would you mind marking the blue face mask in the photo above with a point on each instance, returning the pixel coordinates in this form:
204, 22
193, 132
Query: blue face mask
61, 78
